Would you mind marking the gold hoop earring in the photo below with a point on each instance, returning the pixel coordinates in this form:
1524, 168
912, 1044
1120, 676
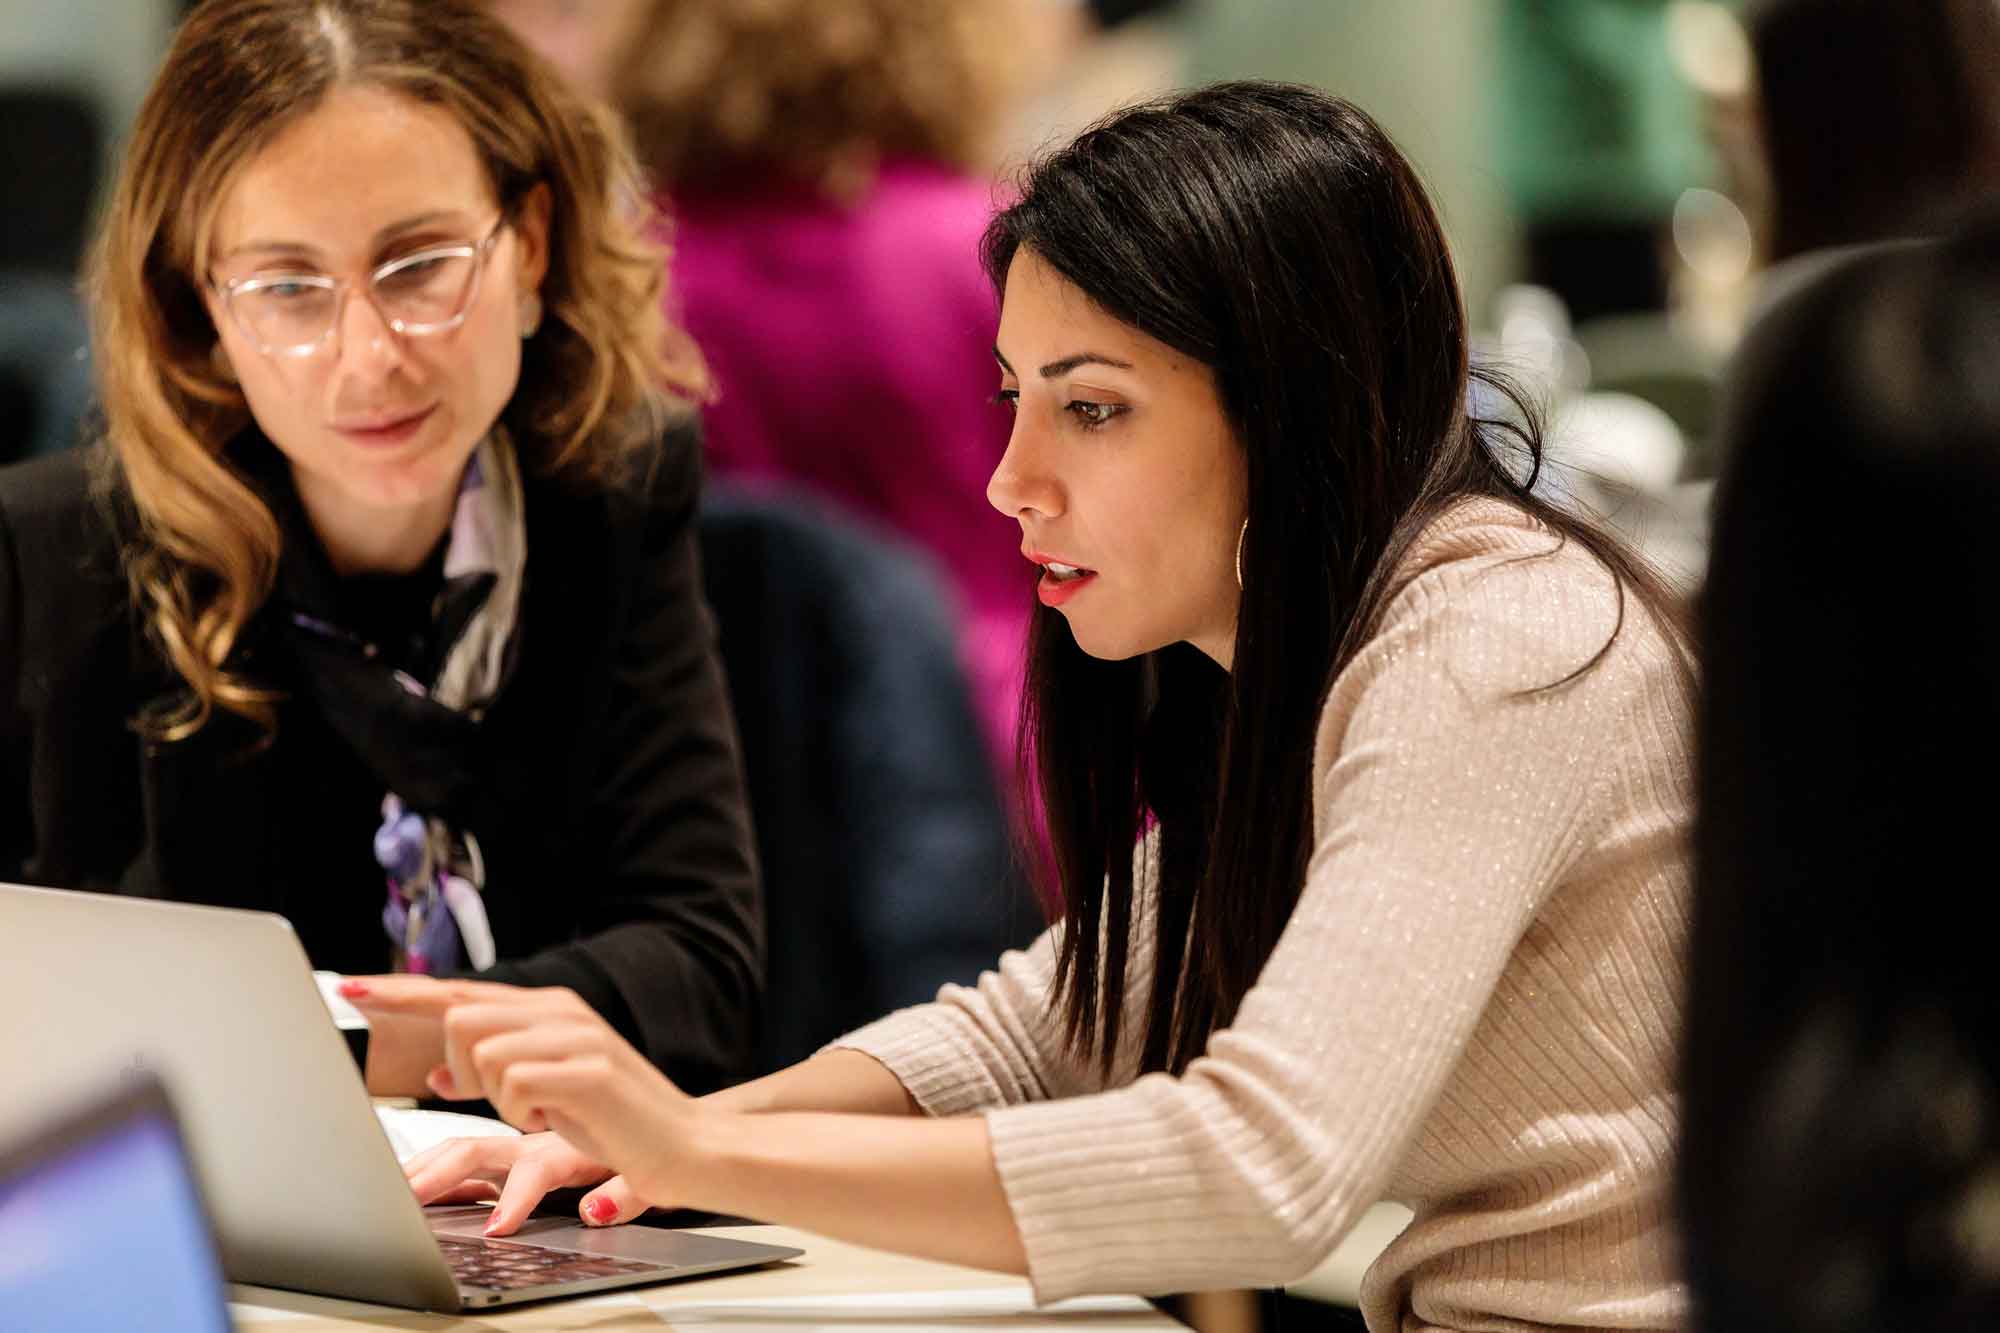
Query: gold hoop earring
1241, 533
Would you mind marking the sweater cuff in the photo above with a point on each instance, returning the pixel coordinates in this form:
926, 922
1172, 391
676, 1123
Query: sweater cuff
1100, 1208
924, 1049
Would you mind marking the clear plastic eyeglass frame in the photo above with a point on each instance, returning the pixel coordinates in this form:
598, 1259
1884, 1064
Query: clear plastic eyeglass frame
232, 292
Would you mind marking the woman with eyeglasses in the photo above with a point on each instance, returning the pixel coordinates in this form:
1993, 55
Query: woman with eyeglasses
1367, 770
377, 605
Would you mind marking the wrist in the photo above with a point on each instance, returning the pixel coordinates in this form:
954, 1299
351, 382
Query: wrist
693, 1169
741, 1099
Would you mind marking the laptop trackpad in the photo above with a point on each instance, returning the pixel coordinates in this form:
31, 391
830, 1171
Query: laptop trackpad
651, 1244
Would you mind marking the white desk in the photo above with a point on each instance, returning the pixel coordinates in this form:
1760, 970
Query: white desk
832, 1288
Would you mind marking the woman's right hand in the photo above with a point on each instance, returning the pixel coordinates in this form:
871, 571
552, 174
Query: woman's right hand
520, 1170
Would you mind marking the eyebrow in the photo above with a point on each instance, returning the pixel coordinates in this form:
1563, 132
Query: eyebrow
376, 242
1057, 369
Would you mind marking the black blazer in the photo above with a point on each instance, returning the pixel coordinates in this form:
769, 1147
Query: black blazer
604, 784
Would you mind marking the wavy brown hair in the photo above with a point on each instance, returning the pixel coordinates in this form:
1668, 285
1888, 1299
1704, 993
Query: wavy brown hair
596, 381
814, 91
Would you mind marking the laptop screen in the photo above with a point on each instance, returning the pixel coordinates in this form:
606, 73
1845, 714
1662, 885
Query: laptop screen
106, 1231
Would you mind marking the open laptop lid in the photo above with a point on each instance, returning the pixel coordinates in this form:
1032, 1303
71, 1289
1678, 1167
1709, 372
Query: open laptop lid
102, 1225
219, 1005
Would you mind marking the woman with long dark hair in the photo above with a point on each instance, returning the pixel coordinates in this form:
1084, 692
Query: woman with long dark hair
1368, 778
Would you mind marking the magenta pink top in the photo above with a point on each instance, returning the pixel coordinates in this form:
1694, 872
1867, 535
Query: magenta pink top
852, 350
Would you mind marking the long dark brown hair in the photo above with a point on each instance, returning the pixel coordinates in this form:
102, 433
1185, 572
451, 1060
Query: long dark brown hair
1275, 234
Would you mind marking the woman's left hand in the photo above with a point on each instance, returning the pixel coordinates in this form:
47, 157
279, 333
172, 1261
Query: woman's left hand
546, 1060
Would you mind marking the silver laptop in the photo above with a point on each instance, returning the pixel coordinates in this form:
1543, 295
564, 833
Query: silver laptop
220, 1006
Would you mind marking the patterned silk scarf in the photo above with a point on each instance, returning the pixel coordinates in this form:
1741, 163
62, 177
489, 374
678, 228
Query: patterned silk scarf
435, 915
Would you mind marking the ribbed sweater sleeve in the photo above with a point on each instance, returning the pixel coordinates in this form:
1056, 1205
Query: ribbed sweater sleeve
1000, 1042
993, 1044
1466, 773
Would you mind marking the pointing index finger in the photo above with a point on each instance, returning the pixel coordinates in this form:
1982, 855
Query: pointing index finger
411, 996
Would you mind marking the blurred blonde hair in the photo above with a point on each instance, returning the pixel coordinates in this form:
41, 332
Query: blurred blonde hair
815, 91
597, 380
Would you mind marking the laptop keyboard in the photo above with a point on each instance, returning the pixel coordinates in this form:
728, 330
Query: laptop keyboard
499, 1265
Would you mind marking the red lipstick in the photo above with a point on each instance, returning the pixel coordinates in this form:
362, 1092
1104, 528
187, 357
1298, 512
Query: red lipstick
1054, 590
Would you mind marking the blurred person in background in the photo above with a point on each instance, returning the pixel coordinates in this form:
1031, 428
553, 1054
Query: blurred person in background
1852, 122
1840, 1164
1368, 774
377, 603
1837, 123
1876, 120
823, 169
815, 166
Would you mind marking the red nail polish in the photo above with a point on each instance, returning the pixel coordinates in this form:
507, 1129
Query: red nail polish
601, 1210
354, 990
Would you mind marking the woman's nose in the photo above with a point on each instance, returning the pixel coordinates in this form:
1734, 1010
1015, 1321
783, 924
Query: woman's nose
1021, 483
367, 344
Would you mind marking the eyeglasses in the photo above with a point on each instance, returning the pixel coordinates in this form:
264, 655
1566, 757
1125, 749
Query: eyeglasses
295, 314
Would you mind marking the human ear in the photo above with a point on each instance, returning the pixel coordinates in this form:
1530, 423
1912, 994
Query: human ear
531, 236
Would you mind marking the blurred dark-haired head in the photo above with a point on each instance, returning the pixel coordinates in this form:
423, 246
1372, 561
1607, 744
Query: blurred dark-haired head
1880, 118
1841, 1159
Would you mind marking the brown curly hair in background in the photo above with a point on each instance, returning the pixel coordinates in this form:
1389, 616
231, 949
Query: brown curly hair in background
815, 92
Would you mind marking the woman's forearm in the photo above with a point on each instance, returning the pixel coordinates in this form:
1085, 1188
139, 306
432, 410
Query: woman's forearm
835, 1144
845, 1081
926, 1187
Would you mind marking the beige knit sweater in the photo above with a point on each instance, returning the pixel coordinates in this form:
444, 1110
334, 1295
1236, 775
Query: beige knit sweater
1472, 1010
